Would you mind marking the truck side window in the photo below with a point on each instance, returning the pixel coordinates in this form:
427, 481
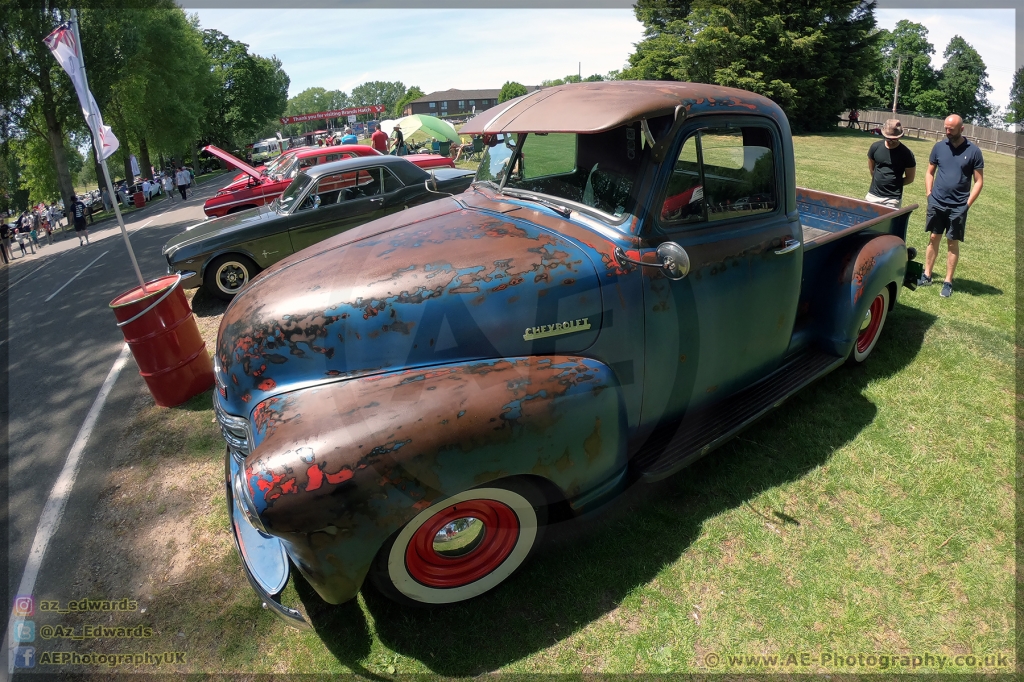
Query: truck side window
721, 173
684, 199
739, 172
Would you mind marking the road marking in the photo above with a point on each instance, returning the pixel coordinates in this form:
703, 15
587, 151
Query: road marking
142, 225
53, 510
76, 275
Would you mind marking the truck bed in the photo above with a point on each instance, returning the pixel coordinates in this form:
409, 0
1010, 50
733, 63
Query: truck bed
827, 217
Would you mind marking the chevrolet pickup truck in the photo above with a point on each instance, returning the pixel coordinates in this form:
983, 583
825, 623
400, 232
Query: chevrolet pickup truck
632, 278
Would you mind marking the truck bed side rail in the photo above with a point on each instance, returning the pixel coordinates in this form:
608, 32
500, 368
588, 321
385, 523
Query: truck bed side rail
827, 217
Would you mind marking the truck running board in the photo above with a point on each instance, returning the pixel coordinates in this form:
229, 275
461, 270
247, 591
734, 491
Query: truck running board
677, 445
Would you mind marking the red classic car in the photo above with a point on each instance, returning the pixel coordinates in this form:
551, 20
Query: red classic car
259, 186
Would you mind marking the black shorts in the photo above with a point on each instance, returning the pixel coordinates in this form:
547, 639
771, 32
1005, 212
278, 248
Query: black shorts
80, 226
946, 220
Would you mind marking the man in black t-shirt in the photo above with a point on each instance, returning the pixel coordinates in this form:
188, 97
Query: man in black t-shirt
892, 166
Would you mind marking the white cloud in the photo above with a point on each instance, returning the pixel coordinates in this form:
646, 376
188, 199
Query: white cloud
989, 31
434, 49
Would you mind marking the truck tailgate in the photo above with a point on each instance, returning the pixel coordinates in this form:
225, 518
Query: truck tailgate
827, 217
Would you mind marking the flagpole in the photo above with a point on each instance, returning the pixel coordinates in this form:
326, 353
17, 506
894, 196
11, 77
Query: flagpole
103, 162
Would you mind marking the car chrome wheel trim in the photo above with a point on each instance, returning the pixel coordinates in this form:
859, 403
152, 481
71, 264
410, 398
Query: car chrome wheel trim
231, 276
507, 531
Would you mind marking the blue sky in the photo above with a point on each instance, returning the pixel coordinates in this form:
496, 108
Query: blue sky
438, 49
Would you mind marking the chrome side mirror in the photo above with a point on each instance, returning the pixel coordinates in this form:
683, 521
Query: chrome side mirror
431, 182
674, 260
675, 263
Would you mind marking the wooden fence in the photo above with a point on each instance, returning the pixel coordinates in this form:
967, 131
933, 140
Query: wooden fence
921, 127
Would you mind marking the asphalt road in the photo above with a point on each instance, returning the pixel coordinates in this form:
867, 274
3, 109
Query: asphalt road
62, 341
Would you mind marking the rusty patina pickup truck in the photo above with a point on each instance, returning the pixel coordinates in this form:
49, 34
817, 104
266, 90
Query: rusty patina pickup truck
632, 278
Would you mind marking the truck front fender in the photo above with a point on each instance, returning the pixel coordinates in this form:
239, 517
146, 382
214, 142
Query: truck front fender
863, 269
339, 467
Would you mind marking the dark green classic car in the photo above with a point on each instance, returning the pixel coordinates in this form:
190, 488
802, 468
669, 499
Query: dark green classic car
223, 254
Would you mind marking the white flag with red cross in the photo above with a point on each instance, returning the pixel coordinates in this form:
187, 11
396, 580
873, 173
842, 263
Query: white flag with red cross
68, 52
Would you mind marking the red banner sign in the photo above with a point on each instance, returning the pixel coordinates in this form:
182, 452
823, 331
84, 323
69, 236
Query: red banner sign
335, 113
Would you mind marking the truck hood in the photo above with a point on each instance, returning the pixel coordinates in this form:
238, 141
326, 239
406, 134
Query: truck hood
201, 232
436, 284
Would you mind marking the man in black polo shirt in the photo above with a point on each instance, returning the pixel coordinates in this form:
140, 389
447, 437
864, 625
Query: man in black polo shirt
892, 165
951, 165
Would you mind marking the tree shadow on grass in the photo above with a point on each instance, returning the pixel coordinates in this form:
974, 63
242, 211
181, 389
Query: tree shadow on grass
205, 304
586, 567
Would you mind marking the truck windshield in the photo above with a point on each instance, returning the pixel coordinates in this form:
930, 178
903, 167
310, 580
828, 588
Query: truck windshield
292, 193
594, 173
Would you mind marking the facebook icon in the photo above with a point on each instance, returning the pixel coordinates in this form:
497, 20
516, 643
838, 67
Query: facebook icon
25, 657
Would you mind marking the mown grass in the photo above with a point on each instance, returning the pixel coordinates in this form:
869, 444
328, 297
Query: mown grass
872, 514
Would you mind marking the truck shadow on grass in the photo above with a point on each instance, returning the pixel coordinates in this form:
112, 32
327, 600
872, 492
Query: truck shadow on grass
586, 568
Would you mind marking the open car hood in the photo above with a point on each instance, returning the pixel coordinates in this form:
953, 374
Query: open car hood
232, 160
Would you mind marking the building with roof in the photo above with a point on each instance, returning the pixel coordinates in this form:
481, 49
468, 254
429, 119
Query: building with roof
452, 102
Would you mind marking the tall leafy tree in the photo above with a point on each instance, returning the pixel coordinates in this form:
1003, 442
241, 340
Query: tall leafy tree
810, 57
511, 90
411, 94
964, 82
907, 48
378, 92
148, 70
312, 100
250, 91
1015, 112
36, 96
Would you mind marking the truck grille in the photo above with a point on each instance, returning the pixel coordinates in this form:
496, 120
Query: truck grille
235, 431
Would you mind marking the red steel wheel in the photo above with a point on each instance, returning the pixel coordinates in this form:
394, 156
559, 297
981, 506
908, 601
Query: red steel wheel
462, 546
871, 326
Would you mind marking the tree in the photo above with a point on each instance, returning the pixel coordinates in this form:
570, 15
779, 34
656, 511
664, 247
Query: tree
38, 174
906, 47
411, 94
511, 90
1015, 111
378, 92
810, 58
36, 96
310, 101
148, 70
964, 82
250, 91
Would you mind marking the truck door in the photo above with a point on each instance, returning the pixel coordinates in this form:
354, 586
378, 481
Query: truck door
347, 199
729, 321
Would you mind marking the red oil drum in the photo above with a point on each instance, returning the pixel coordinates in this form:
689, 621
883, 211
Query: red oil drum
164, 338
139, 199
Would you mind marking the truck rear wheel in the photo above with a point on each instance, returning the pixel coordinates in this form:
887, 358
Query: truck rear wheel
461, 547
871, 327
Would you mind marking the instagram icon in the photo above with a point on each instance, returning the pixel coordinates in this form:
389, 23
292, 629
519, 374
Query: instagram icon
24, 605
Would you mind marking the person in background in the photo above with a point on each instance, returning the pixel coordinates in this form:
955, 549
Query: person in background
892, 166
5, 241
169, 187
181, 179
81, 229
379, 140
349, 137
951, 166
398, 142
146, 188
105, 197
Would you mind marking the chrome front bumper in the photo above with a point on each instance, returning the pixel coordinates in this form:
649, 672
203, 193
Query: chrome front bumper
263, 557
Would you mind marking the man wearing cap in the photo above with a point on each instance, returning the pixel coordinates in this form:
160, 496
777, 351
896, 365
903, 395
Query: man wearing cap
892, 166
951, 165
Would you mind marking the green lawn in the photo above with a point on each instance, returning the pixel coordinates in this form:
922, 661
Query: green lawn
872, 514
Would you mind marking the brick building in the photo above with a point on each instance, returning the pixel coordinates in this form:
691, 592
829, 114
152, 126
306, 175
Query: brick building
452, 102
